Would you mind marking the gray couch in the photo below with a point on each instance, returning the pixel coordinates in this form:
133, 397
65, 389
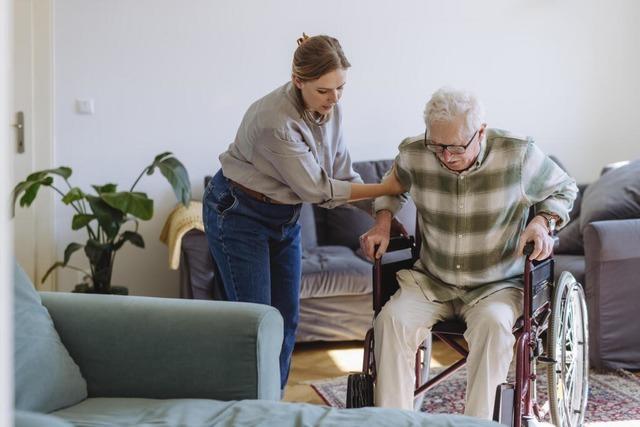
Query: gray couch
600, 246
336, 281
99, 360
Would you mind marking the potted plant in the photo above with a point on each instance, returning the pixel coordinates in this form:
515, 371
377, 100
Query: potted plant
103, 215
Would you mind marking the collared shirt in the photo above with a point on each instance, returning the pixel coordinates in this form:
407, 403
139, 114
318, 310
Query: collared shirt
471, 221
281, 154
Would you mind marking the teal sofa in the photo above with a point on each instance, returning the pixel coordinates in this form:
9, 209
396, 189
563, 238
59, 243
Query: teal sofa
101, 360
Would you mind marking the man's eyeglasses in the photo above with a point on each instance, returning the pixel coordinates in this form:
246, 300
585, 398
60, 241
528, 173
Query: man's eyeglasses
453, 149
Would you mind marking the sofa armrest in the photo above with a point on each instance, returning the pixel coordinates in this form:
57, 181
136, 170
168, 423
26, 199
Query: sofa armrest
163, 348
612, 261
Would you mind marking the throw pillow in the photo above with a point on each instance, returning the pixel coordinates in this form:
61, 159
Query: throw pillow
45, 376
616, 195
345, 224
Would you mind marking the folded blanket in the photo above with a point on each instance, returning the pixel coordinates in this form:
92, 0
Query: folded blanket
180, 221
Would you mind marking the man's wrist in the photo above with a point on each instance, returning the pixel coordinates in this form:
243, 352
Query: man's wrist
383, 218
549, 220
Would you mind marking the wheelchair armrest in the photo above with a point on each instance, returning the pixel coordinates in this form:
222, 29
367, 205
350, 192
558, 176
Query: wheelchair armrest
398, 243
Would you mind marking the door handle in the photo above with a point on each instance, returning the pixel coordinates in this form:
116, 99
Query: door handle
19, 125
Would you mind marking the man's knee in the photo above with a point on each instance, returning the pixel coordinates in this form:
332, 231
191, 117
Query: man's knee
494, 326
394, 320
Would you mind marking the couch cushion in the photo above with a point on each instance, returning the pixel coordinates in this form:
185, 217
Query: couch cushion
616, 195
570, 235
570, 239
35, 419
574, 264
46, 377
334, 270
344, 224
199, 412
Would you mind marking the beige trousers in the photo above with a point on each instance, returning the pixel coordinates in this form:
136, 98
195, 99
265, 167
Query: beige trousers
407, 318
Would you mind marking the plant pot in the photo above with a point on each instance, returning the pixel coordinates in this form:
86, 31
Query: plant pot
84, 288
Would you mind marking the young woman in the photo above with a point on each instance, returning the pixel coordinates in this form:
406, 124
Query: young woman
289, 149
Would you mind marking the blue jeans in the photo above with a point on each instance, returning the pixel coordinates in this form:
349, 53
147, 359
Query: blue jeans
256, 246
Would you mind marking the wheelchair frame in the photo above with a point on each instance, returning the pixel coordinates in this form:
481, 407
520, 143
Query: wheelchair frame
546, 306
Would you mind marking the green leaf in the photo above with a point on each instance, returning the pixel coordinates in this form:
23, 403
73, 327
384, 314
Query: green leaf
157, 160
31, 190
81, 220
107, 188
74, 194
17, 190
53, 267
178, 177
134, 203
62, 171
30, 186
70, 249
176, 174
110, 219
30, 194
130, 236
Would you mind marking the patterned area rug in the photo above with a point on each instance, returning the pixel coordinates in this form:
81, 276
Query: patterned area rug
613, 396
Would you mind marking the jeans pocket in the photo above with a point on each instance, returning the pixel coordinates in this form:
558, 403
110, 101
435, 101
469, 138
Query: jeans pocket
226, 201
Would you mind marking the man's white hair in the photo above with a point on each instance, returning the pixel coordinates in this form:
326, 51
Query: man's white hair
447, 103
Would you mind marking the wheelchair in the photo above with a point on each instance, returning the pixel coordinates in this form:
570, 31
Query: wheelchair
553, 310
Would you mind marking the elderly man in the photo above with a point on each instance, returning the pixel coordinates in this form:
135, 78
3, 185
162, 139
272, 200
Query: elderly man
473, 188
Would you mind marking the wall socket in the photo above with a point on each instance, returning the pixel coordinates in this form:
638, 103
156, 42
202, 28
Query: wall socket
85, 106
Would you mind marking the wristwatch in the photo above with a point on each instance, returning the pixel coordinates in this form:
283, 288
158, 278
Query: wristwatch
551, 221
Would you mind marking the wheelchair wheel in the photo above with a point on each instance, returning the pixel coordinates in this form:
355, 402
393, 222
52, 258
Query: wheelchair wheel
359, 390
567, 341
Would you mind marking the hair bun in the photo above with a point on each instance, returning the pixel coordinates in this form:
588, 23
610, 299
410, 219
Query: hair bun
303, 39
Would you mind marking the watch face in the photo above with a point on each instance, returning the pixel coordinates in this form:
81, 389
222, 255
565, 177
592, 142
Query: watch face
552, 224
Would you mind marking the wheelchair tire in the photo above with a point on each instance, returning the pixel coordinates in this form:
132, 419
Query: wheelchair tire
568, 347
359, 390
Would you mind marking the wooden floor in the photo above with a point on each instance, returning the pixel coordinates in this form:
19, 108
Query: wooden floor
314, 361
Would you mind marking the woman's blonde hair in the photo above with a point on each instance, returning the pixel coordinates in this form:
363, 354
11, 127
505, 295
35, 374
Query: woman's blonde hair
317, 56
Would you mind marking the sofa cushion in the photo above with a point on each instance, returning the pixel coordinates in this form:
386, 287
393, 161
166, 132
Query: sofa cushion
334, 270
46, 377
574, 264
35, 419
345, 224
570, 239
200, 412
616, 195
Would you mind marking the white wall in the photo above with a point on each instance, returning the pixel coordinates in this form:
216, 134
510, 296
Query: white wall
6, 236
178, 75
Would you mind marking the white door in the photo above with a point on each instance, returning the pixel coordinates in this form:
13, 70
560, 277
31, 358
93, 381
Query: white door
23, 163
33, 227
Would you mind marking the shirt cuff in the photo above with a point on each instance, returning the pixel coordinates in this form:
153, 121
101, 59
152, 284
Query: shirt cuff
341, 191
390, 203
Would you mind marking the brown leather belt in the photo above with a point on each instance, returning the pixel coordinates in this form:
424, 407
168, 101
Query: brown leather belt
254, 194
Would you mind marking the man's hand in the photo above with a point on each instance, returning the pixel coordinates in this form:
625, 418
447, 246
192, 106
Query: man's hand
537, 233
377, 235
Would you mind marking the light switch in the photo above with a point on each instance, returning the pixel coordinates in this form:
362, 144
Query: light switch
85, 106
